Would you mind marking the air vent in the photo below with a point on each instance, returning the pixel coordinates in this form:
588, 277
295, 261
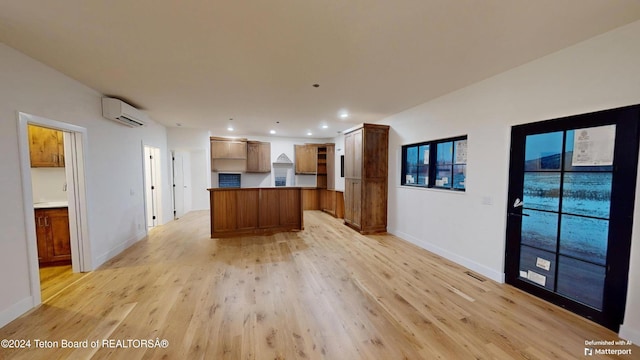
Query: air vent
475, 276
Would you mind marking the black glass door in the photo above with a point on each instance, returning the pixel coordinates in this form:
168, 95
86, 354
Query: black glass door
571, 197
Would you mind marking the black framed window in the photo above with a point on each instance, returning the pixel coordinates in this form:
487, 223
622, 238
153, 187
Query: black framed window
438, 164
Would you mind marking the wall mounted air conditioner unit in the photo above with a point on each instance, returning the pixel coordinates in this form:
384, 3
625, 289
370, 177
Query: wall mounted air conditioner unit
120, 111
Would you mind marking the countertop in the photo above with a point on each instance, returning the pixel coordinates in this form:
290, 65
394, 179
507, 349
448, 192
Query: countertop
50, 204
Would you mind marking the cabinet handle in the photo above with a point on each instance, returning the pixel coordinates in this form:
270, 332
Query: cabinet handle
40, 221
55, 158
46, 221
61, 159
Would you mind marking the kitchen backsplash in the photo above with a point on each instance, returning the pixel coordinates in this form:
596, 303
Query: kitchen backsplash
49, 184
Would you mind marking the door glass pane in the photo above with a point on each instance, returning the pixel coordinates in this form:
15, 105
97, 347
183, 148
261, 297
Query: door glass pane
584, 238
568, 157
541, 190
581, 281
538, 267
540, 230
587, 194
543, 151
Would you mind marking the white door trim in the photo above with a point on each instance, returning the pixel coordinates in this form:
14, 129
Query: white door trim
75, 147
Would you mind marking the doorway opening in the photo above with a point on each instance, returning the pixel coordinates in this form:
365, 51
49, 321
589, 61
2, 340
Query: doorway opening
152, 185
52, 165
572, 184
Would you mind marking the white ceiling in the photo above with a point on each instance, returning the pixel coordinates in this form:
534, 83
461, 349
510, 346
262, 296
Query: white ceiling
200, 63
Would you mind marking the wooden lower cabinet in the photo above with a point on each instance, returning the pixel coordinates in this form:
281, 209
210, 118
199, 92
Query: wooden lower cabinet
353, 203
310, 199
236, 212
339, 205
290, 201
53, 236
329, 201
269, 209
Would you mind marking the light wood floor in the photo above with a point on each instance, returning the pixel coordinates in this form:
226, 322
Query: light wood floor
54, 279
323, 293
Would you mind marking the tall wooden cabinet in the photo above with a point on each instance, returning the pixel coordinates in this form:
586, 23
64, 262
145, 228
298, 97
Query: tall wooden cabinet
366, 167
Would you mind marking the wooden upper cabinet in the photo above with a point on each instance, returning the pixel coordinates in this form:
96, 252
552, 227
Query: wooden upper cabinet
228, 148
258, 157
366, 167
46, 147
306, 159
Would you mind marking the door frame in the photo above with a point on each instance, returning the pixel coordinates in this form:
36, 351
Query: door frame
620, 225
75, 145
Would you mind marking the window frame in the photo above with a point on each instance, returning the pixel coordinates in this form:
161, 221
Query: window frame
432, 166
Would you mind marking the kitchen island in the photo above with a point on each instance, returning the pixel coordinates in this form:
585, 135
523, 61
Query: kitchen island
247, 211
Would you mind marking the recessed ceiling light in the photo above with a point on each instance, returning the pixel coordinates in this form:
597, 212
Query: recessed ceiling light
272, 131
309, 133
230, 128
343, 114
325, 126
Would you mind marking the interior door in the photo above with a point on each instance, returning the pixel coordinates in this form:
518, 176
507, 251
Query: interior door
178, 184
570, 211
152, 172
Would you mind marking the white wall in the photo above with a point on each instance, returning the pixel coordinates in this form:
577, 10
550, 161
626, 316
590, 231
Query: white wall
597, 74
114, 172
339, 141
48, 184
195, 142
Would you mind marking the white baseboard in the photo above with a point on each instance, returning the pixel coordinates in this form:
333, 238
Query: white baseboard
15, 310
629, 333
118, 249
470, 264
